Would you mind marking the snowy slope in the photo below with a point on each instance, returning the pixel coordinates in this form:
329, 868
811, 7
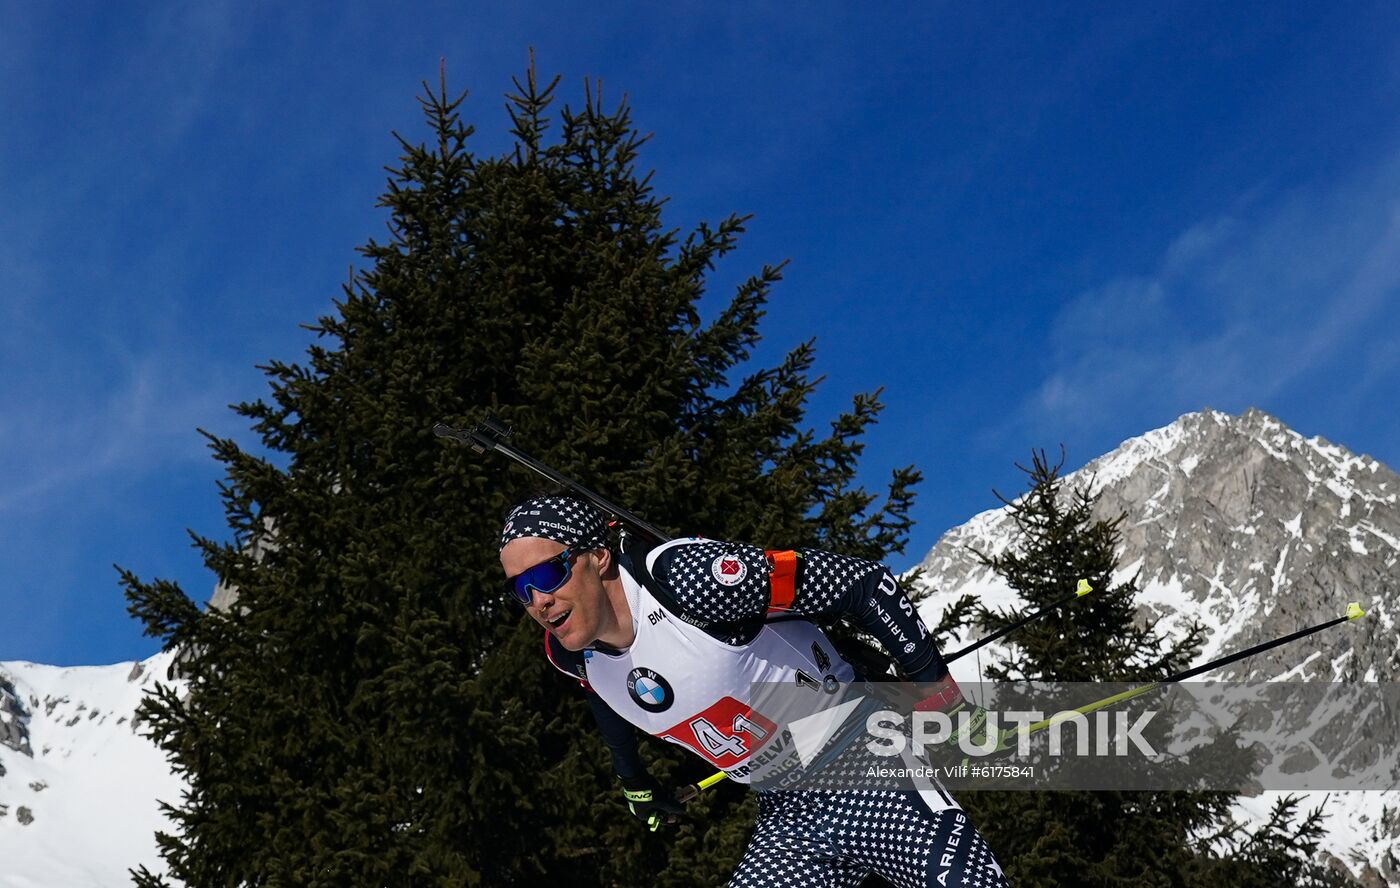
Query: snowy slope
1242, 523
71, 761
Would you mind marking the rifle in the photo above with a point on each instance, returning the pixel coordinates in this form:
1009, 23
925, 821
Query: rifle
490, 435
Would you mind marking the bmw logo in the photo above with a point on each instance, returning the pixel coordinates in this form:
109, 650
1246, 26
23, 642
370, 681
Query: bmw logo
649, 690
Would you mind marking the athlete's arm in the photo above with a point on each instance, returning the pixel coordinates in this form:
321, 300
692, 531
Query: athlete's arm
646, 799
718, 582
621, 739
618, 734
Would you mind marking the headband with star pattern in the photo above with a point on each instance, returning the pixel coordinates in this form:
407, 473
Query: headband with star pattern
562, 519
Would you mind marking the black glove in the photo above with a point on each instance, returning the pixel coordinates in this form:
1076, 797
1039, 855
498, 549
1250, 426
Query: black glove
650, 803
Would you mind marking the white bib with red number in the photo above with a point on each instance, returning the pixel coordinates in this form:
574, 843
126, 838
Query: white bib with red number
680, 683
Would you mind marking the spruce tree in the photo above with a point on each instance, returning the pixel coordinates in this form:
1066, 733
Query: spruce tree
370, 710
1100, 637
1112, 838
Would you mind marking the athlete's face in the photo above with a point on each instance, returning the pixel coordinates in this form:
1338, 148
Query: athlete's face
574, 612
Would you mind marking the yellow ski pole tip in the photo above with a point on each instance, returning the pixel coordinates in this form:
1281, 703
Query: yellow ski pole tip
1083, 589
1354, 611
712, 780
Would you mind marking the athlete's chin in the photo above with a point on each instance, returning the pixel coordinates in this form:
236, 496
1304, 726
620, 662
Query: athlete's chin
570, 636
572, 641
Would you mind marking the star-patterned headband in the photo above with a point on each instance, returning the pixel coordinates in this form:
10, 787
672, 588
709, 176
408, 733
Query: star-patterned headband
562, 519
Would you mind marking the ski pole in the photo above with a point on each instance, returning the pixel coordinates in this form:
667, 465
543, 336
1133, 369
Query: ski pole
1083, 589
1353, 612
687, 794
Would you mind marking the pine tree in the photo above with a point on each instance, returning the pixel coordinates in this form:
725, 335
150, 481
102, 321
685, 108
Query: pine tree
371, 710
1111, 838
1062, 543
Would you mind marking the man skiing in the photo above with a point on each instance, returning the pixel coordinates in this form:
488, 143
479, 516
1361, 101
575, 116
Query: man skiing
671, 640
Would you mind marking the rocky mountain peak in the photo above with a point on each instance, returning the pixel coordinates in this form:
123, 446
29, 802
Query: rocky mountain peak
1238, 521
1246, 525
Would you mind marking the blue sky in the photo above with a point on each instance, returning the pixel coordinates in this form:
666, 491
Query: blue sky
1030, 226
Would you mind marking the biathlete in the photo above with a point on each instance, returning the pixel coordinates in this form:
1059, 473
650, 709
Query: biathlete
671, 640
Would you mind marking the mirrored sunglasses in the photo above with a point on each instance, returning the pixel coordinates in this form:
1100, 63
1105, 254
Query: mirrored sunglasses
546, 577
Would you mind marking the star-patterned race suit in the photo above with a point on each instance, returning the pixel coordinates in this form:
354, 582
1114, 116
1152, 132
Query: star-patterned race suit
704, 613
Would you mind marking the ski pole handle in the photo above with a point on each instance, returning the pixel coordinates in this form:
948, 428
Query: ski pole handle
687, 794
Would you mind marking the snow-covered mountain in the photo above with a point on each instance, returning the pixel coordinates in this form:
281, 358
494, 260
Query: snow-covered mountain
1235, 520
78, 785
1244, 524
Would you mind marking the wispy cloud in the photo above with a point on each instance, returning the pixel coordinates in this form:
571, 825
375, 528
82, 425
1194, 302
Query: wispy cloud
103, 377
54, 442
1242, 308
